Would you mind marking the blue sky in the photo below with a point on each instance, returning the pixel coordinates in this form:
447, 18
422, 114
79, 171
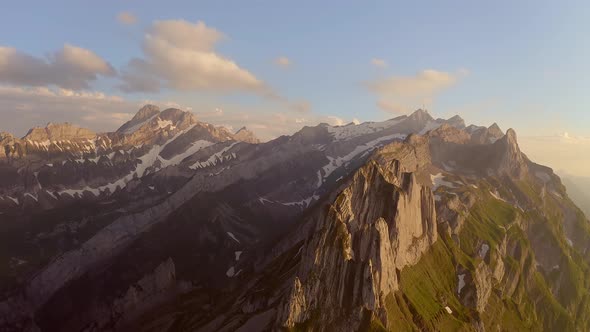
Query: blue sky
523, 64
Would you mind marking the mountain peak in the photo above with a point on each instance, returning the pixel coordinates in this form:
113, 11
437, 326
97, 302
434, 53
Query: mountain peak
511, 134
495, 128
420, 114
245, 135
511, 159
456, 121
146, 112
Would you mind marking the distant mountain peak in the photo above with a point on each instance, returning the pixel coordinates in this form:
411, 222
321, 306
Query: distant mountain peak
421, 115
511, 158
245, 135
59, 131
145, 113
456, 121
494, 127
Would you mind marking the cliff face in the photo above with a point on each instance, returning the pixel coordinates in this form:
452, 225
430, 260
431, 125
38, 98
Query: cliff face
383, 221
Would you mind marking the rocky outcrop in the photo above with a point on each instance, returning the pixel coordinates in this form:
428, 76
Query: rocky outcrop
380, 223
449, 134
510, 160
413, 153
475, 287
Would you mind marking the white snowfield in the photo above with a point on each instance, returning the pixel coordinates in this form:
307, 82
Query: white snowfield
233, 237
215, 158
136, 127
145, 162
351, 130
336, 162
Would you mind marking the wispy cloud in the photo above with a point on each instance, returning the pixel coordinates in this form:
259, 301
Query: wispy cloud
181, 56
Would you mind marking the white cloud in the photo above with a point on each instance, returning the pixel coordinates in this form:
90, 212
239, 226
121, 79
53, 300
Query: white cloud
401, 94
379, 63
283, 62
180, 55
126, 18
71, 67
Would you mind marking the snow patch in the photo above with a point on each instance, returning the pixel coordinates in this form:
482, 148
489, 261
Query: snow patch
215, 158
33, 197
233, 236
303, 202
146, 161
195, 146
571, 244
461, 283
336, 162
354, 130
165, 123
438, 180
483, 250
51, 194
263, 200
15, 200
134, 128
496, 196
231, 272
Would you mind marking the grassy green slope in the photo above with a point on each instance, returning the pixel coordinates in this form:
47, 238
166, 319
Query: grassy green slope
527, 298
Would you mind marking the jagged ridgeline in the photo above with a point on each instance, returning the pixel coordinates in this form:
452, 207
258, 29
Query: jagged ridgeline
504, 249
172, 224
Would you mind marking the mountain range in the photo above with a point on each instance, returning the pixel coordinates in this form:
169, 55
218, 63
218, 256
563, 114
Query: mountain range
173, 224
